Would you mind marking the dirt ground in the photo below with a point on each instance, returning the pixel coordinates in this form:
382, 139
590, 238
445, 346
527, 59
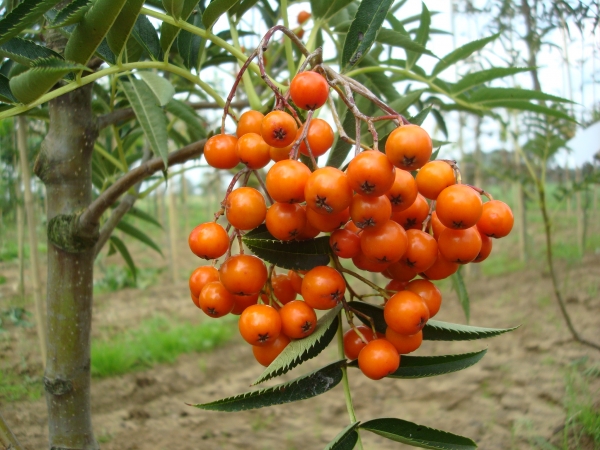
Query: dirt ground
514, 393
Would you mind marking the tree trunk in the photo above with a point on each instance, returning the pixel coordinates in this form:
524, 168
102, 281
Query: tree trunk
34, 257
20, 218
64, 165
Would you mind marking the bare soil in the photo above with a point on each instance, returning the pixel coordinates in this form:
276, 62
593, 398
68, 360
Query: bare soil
516, 391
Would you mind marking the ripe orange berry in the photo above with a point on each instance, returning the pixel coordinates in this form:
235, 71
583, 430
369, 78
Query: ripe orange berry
414, 215
401, 272
353, 343
283, 289
200, 277
421, 250
385, 244
441, 268
260, 324
327, 223
327, 191
460, 246
266, 354
243, 274
459, 207
278, 129
429, 292
298, 319
303, 16
215, 300
436, 226
403, 192
496, 219
296, 281
378, 358
220, 151
209, 240
250, 122
241, 302
370, 212
286, 181
323, 287
245, 208
486, 248
434, 177
404, 344
409, 147
396, 285
320, 138
406, 313
309, 90
309, 231
285, 221
280, 154
371, 173
344, 243
362, 262
253, 151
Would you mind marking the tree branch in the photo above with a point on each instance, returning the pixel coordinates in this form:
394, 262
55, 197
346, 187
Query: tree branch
91, 216
120, 211
120, 115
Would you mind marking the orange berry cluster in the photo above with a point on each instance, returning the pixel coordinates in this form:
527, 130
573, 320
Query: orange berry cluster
377, 213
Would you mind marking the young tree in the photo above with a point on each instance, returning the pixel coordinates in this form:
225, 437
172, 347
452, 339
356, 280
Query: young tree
107, 77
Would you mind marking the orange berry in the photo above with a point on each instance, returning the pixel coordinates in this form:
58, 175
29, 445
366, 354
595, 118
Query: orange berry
309, 90
215, 300
327, 191
278, 129
378, 358
250, 122
371, 173
245, 208
320, 138
253, 151
286, 180
403, 192
260, 324
323, 287
434, 177
460, 246
496, 219
220, 151
406, 313
243, 274
285, 221
429, 292
403, 343
209, 240
459, 207
266, 354
298, 319
385, 244
408, 147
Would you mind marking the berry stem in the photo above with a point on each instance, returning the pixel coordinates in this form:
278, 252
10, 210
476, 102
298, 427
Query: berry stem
428, 218
345, 382
481, 191
263, 186
372, 285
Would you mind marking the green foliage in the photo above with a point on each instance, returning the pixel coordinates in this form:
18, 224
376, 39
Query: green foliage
15, 387
71, 14
216, 9
157, 340
417, 435
307, 386
346, 439
363, 30
25, 14
301, 350
296, 255
431, 366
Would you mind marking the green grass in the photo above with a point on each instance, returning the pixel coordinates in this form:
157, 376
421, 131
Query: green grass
14, 387
157, 340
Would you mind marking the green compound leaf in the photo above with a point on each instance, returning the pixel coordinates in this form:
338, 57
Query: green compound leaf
186, 113
150, 116
421, 37
458, 283
486, 95
301, 350
215, 10
25, 14
397, 39
5, 93
162, 89
134, 232
25, 51
483, 76
325, 10
119, 33
173, 7
417, 435
56, 65
296, 255
71, 14
431, 366
346, 439
307, 386
421, 116
363, 30
120, 246
434, 330
147, 36
461, 53
404, 102
142, 215
524, 105
169, 32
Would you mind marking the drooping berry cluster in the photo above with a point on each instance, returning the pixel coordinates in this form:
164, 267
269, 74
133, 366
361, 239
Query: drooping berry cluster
377, 213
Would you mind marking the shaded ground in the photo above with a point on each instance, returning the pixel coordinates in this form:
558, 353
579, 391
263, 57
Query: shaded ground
516, 392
